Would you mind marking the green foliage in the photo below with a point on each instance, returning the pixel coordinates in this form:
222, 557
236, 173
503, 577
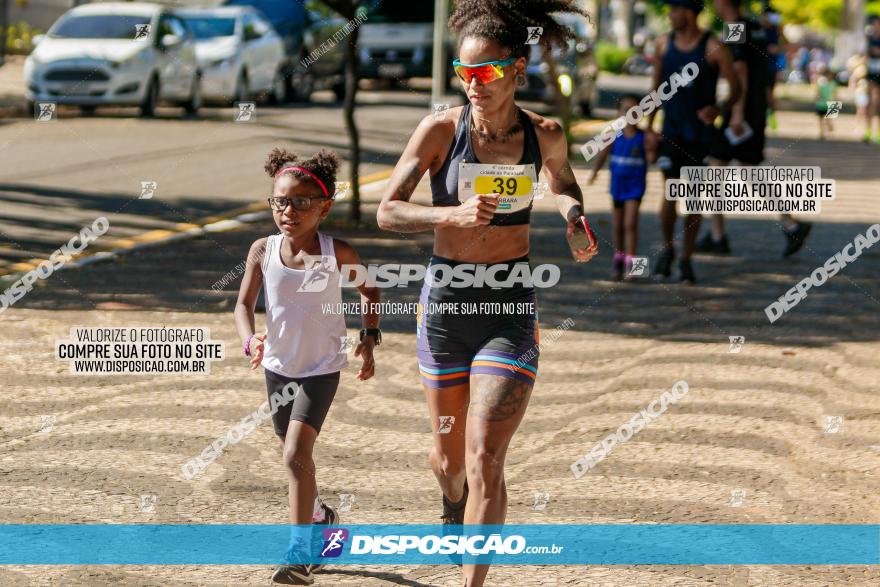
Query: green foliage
610, 57
19, 38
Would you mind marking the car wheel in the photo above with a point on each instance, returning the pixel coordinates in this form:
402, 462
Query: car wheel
279, 88
302, 84
151, 98
30, 108
195, 97
87, 110
241, 88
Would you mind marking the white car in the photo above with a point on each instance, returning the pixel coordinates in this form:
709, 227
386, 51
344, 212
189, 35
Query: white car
239, 53
128, 53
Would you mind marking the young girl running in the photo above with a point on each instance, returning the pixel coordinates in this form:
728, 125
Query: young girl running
298, 270
629, 169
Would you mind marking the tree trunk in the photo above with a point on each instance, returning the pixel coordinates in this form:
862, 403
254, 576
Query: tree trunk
562, 103
351, 86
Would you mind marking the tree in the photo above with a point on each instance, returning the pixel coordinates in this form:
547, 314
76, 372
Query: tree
349, 9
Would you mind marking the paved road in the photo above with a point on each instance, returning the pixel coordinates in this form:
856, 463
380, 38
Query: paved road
57, 176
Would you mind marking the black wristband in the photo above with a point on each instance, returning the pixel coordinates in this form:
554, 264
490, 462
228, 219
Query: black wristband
374, 332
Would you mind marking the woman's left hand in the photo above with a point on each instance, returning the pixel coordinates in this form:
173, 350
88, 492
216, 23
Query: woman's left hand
365, 351
581, 255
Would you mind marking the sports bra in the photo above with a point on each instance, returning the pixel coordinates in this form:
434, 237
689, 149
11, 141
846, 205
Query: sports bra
444, 184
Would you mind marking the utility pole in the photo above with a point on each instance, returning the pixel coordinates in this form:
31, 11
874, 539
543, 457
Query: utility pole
438, 63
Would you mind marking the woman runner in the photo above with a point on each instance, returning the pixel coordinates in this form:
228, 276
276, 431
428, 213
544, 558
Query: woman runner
478, 370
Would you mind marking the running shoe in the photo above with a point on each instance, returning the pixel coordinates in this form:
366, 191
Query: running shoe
453, 515
664, 262
687, 271
710, 246
297, 573
795, 239
331, 518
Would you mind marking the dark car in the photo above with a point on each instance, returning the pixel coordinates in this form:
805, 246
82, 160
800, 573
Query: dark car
305, 33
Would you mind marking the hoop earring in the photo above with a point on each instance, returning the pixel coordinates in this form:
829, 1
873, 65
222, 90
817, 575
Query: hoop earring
520, 80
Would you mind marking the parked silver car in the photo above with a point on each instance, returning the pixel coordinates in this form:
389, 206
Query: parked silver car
239, 53
128, 53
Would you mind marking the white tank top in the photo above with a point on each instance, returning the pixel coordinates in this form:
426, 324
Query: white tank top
302, 340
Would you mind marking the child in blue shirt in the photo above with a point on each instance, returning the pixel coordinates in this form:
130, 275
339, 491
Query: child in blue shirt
629, 169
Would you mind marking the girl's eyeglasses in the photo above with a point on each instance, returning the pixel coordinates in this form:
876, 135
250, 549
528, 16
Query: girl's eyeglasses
301, 203
484, 72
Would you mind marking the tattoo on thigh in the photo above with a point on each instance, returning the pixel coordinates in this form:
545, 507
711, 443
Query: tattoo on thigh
499, 398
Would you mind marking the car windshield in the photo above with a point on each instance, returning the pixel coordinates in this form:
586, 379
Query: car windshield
400, 11
209, 27
100, 26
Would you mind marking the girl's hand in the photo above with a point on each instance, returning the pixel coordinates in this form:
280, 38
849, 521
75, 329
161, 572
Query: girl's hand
365, 350
256, 348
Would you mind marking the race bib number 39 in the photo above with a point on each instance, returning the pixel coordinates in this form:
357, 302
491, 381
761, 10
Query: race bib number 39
514, 183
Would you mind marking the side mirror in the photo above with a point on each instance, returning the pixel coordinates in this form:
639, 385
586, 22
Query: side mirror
170, 41
35, 40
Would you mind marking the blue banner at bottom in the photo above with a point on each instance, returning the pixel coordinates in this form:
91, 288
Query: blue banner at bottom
376, 544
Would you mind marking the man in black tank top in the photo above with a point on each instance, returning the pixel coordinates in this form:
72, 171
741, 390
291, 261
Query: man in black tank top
688, 117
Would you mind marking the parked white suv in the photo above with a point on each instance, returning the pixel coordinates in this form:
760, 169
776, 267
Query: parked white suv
239, 53
128, 53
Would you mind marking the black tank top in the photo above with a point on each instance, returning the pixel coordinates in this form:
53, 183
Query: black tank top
680, 119
444, 184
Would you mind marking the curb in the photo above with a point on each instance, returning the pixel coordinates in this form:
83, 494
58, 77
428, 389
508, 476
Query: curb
235, 218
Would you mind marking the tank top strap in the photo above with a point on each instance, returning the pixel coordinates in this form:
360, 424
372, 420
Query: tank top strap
704, 42
268, 252
327, 249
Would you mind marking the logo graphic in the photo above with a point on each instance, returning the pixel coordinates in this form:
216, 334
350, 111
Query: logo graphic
736, 343
45, 111
346, 344
446, 423
318, 270
639, 266
148, 189
541, 501
539, 190
334, 540
833, 424
342, 190
345, 502
734, 32
833, 109
148, 503
141, 31
438, 111
737, 497
534, 34
47, 422
247, 112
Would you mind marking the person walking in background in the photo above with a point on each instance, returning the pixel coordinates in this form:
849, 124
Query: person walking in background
688, 117
629, 171
826, 87
873, 64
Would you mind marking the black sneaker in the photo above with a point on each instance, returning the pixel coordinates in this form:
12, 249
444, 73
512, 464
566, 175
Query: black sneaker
687, 271
452, 514
297, 573
664, 262
713, 247
795, 240
331, 518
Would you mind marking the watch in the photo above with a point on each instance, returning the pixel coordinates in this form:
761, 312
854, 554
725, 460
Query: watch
374, 332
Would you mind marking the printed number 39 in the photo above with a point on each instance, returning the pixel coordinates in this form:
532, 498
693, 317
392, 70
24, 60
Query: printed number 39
507, 187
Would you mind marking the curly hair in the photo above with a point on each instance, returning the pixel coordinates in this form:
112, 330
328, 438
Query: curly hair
505, 22
324, 164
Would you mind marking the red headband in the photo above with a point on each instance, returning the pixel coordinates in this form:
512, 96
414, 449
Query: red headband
307, 172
